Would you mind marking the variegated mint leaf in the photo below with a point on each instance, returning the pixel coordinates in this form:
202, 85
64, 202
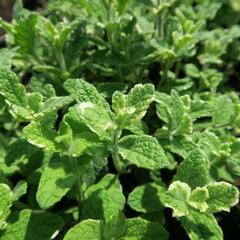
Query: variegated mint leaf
222, 196
132, 107
177, 198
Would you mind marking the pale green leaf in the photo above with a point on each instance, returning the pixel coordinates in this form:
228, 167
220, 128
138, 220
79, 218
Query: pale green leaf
222, 196
198, 199
177, 198
132, 107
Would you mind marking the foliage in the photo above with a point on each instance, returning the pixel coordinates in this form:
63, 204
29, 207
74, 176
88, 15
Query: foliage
94, 92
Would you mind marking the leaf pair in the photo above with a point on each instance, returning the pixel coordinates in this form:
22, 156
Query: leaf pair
195, 208
117, 226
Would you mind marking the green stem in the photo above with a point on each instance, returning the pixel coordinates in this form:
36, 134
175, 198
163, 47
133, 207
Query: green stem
164, 76
160, 22
3, 142
79, 193
78, 183
115, 153
178, 65
107, 6
62, 61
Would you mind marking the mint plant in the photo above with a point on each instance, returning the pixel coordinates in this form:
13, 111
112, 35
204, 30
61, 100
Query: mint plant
114, 114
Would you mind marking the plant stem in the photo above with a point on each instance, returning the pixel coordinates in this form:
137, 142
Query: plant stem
164, 76
3, 142
160, 25
115, 154
78, 188
178, 65
78, 183
62, 61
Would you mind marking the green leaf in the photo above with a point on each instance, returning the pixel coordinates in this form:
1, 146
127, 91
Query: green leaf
198, 199
192, 70
85, 230
6, 55
138, 128
5, 204
174, 112
14, 92
222, 196
25, 34
224, 111
138, 228
93, 109
76, 139
163, 100
235, 5
233, 161
132, 107
34, 102
115, 226
19, 190
177, 198
147, 198
28, 225
19, 11
103, 199
83, 91
194, 170
97, 119
143, 151
181, 145
107, 89
20, 151
202, 226
55, 103
200, 108
40, 132
56, 180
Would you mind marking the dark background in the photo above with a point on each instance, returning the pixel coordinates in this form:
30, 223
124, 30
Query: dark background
6, 7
